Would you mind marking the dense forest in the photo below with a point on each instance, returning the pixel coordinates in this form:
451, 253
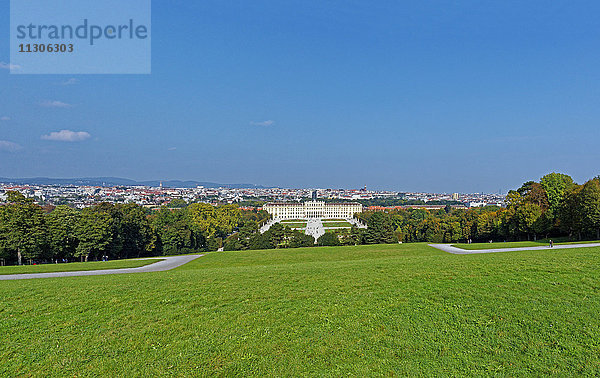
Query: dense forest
555, 206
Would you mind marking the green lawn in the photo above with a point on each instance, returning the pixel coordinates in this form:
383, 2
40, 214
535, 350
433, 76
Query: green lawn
538, 243
293, 220
78, 266
337, 224
369, 310
333, 220
295, 225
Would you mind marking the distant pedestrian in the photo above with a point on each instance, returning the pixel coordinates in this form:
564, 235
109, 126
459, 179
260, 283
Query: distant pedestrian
551, 243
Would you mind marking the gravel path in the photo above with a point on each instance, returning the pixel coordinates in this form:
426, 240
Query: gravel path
168, 263
459, 251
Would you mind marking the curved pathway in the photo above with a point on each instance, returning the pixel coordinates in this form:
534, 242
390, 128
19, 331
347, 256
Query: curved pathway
167, 263
459, 251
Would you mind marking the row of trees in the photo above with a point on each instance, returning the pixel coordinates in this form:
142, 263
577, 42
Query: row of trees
553, 207
29, 231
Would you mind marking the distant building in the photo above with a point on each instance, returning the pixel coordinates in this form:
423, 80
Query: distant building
455, 196
314, 195
312, 209
477, 204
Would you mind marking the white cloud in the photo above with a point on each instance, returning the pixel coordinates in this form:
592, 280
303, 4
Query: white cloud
8, 66
263, 123
4, 118
67, 136
9, 146
70, 81
172, 148
55, 104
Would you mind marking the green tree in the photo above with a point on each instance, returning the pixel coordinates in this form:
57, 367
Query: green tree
535, 193
61, 223
356, 235
571, 212
22, 228
241, 239
556, 185
175, 233
136, 232
526, 217
276, 234
214, 223
94, 233
590, 203
233, 243
300, 239
177, 203
261, 241
380, 229
328, 239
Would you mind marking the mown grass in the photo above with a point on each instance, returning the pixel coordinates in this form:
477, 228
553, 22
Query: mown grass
539, 243
337, 224
76, 266
295, 224
368, 310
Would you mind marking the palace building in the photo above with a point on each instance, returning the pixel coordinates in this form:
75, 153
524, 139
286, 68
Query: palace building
312, 209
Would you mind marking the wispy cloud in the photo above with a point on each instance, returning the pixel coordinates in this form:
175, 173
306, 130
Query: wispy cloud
172, 148
4, 118
263, 123
67, 136
8, 66
55, 104
71, 81
9, 146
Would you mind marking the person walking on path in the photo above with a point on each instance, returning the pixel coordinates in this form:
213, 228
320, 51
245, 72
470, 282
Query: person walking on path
551, 244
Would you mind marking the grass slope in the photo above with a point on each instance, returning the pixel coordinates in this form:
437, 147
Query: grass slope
368, 310
75, 267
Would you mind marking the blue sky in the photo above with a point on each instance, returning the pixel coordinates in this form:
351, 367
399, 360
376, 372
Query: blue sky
453, 96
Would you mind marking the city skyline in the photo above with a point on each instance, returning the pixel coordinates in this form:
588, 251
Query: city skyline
435, 97
127, 182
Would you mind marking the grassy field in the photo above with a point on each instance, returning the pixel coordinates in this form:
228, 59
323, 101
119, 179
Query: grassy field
539, 243
368, 310
293, 220
77, 266
333, 220
337, 224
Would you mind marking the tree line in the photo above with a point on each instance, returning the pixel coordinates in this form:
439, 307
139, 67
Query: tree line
553, 207
31, 232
